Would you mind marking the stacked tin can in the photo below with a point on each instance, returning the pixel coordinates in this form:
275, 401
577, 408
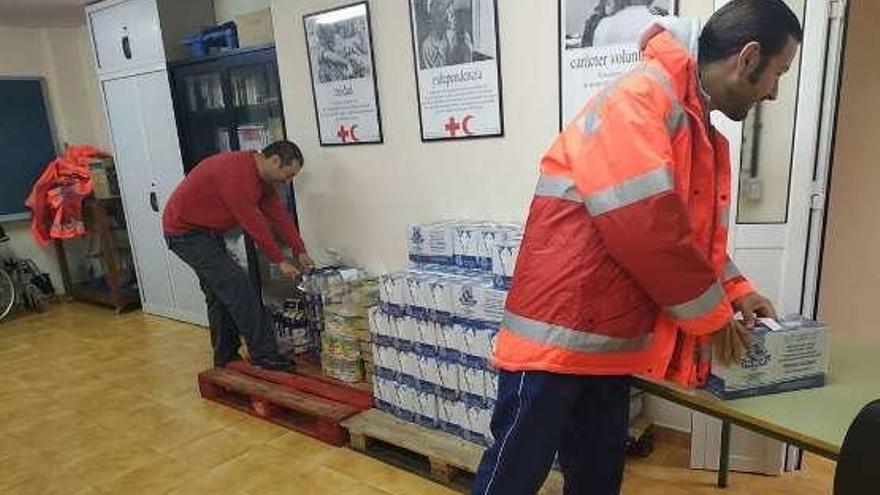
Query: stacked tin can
290, 324
337, 301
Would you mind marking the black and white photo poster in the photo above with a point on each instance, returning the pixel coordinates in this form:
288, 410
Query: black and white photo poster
599, 42
340, 46
455, 47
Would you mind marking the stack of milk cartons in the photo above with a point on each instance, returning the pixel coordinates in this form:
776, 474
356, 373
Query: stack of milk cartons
433, 337
489, 247
435, 328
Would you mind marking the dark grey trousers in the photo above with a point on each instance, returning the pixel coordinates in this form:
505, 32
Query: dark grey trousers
234, 307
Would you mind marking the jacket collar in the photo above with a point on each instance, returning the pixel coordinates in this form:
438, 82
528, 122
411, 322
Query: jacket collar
673, 43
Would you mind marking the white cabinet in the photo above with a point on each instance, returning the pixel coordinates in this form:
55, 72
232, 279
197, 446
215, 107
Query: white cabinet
130, 55
167, 165
131, 36
124, 102
145, 32
108, 27
127, 36
149, 167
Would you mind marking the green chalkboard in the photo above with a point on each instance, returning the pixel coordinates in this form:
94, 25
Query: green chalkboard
26, 142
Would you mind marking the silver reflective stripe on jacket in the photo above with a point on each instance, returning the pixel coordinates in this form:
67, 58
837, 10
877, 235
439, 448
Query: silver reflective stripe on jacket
559, 336
676, 116
724, 216
700, 306
557, 187
630, 191
731, 271
675, 119
591, 118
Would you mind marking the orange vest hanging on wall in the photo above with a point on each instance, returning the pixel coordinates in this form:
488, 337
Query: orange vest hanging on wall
623, 268
56, 197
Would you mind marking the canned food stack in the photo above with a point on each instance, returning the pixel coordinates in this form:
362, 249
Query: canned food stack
342, 297
290, 325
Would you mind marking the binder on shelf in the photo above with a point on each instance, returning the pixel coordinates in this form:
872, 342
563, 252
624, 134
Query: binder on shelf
223, 143
252, 137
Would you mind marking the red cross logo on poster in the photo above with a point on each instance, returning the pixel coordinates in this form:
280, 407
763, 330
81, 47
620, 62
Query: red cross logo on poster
452, 126
347, 133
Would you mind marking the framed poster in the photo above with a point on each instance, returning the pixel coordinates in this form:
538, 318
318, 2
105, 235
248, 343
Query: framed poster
598, 41
458, 70
342, 67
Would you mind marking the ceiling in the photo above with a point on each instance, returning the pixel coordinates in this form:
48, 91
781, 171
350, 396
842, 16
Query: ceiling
42, 12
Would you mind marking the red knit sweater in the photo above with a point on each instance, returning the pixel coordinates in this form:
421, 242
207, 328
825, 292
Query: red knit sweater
224, 191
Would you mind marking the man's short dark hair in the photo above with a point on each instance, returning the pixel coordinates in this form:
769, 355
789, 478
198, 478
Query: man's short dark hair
739, 22
287, 151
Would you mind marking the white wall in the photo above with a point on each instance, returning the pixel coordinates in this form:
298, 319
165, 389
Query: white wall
60, 55
360, 199
227, 10
44, 16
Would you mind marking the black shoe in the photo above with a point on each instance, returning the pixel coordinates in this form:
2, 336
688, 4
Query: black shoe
275, 364
222, 364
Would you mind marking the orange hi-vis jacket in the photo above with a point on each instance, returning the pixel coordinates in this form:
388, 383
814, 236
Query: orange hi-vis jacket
56, 198
624, 268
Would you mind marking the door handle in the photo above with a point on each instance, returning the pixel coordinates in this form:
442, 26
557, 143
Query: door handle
154, 201
126, 47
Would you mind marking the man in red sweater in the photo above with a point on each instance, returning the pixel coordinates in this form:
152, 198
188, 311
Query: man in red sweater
222, 192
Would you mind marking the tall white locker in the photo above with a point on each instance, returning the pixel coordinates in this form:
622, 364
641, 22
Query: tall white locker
127, 37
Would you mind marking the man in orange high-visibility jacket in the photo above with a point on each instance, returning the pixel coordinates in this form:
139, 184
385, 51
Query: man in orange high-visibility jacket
623, 268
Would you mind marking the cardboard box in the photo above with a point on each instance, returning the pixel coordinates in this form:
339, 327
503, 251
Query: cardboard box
255, 29
785, 355
432, 243
478, 299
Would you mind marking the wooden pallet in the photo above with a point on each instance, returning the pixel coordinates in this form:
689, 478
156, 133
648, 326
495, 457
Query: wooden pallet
444, 458
309, 414
309, 379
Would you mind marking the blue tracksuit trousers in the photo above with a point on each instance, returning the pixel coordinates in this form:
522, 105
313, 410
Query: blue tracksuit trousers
538, 414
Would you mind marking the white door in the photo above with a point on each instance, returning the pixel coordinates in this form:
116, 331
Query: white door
125, 112
163, 154
821, 175
148, 159
774, 157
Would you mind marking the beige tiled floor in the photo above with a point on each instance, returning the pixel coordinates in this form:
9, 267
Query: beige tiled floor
94, 403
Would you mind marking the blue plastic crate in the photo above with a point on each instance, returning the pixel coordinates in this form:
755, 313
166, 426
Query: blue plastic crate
222, 37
